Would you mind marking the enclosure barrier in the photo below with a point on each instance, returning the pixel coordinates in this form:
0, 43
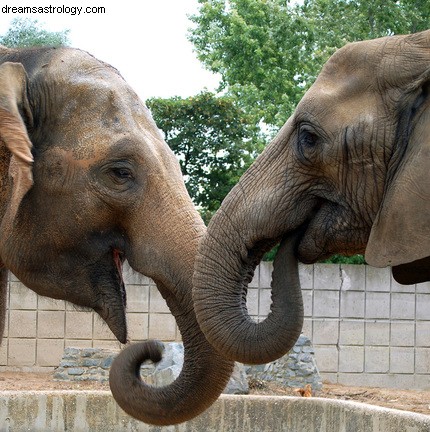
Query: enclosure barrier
96, 411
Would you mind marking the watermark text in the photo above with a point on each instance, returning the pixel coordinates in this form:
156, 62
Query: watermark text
71, 10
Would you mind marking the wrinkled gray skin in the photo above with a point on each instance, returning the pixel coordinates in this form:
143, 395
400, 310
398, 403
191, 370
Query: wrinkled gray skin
348, 173
87, 181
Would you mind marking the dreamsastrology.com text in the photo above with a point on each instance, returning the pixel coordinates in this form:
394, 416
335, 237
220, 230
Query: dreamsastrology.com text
71, 10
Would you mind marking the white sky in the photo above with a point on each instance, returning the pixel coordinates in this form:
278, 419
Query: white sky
145, 40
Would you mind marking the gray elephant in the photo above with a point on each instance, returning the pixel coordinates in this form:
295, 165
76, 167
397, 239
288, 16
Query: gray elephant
348, 173
86, 181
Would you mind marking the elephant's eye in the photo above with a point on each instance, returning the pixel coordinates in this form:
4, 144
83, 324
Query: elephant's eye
307, 143
120, 174
307, 138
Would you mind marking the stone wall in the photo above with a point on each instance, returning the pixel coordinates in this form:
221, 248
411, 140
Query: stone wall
365, 328
296, 369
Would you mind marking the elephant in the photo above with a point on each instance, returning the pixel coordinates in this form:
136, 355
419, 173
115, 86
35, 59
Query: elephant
348, 173
86, 182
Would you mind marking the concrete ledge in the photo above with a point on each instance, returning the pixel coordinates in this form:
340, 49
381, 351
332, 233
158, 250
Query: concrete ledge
97, 411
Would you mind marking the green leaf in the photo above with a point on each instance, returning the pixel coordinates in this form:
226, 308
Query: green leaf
268, 52
26, 32
214, 140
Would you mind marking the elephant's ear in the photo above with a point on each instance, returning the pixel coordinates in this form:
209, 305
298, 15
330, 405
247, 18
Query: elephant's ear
13, 133
400, 235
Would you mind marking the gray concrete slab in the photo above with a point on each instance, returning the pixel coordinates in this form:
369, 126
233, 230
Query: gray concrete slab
97, 411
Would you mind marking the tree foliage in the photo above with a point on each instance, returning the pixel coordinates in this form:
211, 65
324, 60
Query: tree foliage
268, 52
26, 32
214, 140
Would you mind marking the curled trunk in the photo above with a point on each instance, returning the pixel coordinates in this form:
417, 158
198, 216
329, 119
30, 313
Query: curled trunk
220, 285
265, 207
202, 379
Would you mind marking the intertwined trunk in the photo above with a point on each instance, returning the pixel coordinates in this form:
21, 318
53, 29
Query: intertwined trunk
205, 372
203, 377
259, 212
220, 286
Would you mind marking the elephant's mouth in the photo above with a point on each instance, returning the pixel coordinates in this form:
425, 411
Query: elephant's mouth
111, 304
305, 249
118, 258
320, 235
331, 229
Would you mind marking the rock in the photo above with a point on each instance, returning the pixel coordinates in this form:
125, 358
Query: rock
238, 383
86, 364
173, 356
76, 371
295, 369
169, 368
107, 362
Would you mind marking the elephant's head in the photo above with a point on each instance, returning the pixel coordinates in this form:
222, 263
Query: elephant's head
86, 181
348, 173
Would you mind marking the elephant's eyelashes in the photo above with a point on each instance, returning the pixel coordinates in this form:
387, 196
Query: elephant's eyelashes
116, 176
307, 138
122, 174
307, 142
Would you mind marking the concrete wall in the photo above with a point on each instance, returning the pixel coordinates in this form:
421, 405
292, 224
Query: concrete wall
366, 328
38, 328
97, 412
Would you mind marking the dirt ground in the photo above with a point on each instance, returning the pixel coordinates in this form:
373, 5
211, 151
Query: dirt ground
407, 400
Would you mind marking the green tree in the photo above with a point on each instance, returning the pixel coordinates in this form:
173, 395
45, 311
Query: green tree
26, 32
268, 52
215, 142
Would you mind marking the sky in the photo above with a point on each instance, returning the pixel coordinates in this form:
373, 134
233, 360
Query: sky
145, 40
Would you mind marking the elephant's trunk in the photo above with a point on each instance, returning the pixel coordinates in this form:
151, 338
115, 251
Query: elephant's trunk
170, 264
254, 216
202, 379
220, 301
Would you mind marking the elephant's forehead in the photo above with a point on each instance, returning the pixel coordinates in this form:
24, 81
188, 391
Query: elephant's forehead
76, 81
334, 108
70, 61
95, 107
85, 83
341, 94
